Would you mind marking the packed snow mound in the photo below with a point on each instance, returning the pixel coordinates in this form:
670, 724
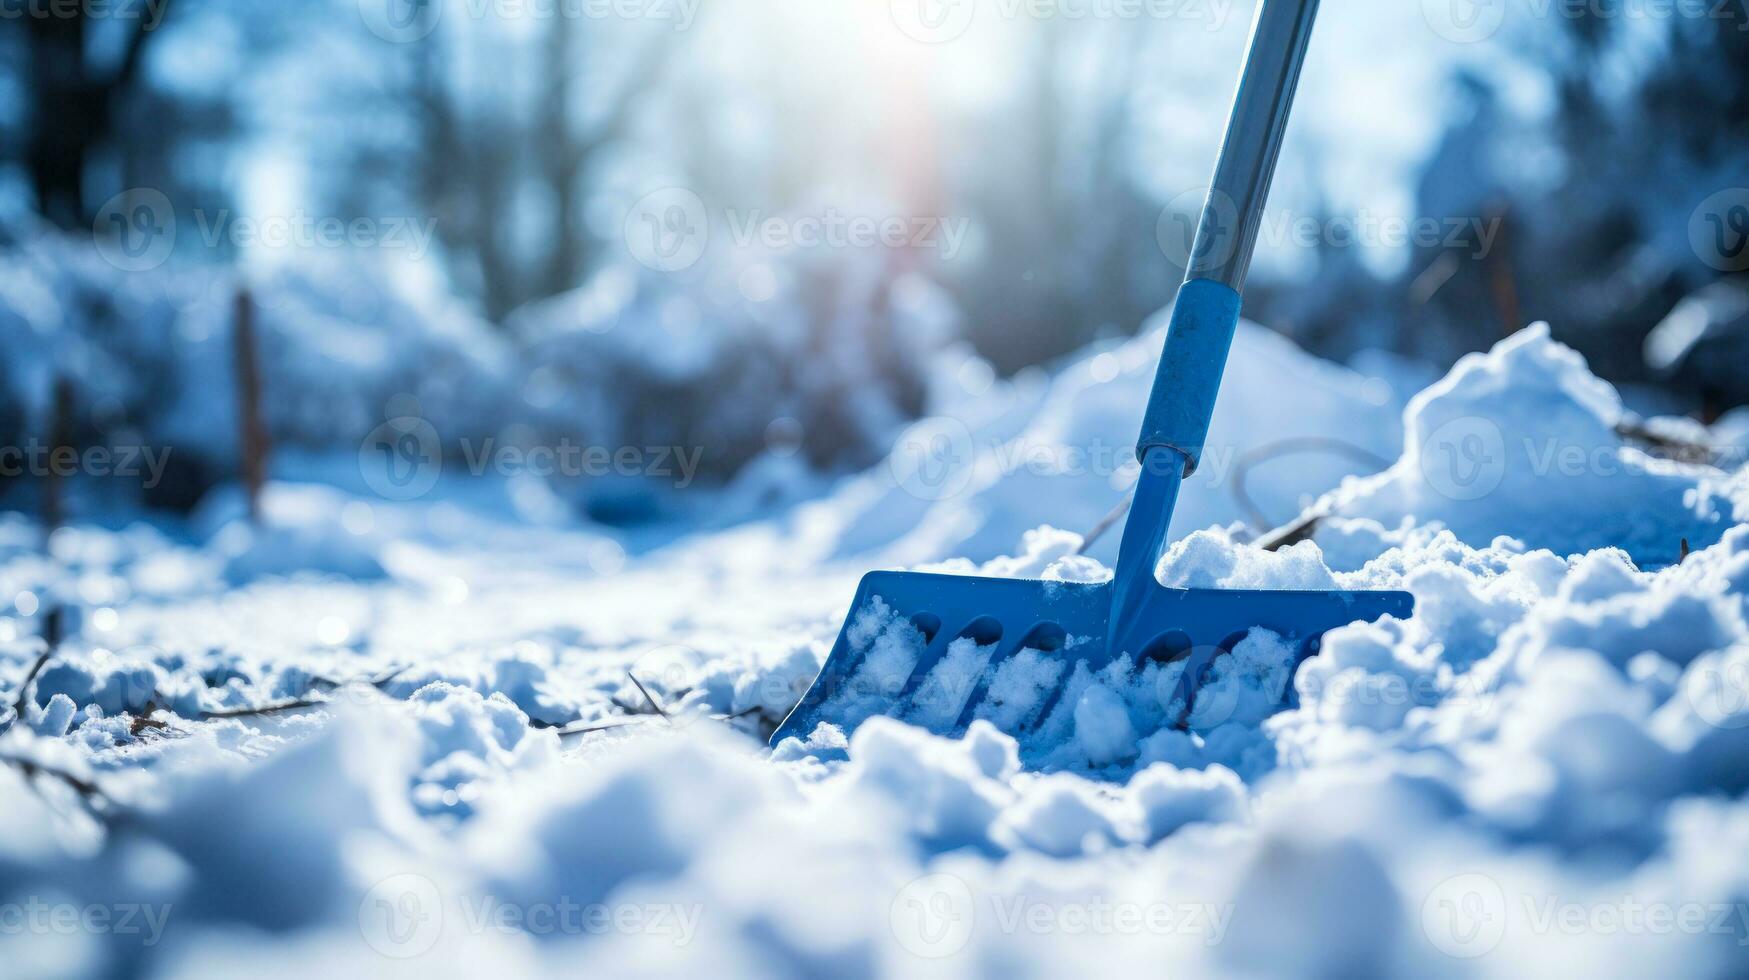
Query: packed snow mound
1209, 560
970, 480
1522, 441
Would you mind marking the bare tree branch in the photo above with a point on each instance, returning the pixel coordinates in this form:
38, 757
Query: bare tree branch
648, 696
89, 792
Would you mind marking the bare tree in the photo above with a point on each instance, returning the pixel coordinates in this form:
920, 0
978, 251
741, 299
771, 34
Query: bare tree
73, 103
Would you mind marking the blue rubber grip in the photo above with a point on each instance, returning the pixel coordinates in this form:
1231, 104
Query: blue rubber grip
1189, 377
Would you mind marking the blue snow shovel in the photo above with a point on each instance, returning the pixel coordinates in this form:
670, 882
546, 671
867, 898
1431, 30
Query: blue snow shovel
872, 669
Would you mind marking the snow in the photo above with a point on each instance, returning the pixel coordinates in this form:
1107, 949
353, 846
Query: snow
1543, 768
1507, 443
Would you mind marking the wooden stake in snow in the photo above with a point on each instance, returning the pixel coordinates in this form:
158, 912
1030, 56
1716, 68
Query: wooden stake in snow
252, 433
54, 510
1502, 284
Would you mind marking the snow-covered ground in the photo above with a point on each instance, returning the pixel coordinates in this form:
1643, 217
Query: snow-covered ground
1542, 770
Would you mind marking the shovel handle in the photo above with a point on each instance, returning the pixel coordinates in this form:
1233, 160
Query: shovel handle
1207, 310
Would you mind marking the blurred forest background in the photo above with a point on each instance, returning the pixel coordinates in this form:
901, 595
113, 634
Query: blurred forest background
646, 222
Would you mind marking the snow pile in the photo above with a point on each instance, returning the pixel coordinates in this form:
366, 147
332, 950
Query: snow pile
1543, 768
997, 460
1370, 678
1522, 442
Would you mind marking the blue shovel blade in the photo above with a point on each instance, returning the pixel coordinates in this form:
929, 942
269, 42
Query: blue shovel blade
903, 626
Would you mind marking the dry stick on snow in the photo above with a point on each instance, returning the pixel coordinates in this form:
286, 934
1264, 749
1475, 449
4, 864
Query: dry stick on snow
648, 696
1667, 446
293, 704
382, 677
29, 679
51, 643
92, 794
1302, 529
252, 433
1682, 555
259, 710
601, 726
590, 728
144, 722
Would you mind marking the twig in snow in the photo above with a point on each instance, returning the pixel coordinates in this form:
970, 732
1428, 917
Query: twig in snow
256, 711
144, 722
589, 728
1302, 529
1682, 555
23, 698
601, 726
381, 678
648, 696
294, 704
1666, 446
89, 792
